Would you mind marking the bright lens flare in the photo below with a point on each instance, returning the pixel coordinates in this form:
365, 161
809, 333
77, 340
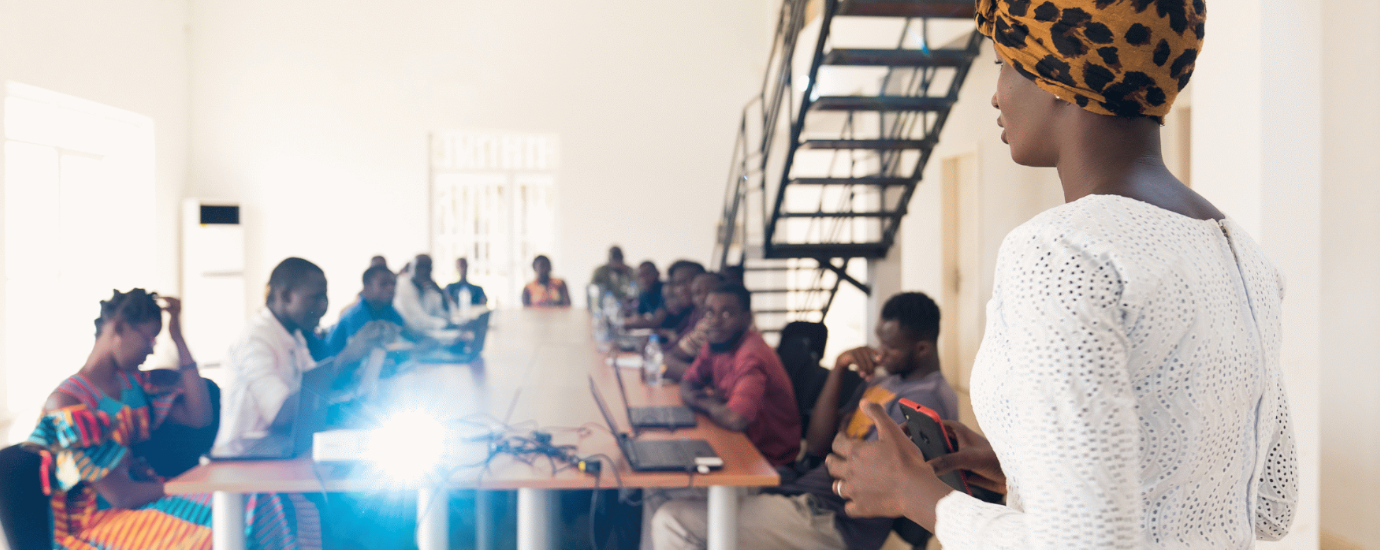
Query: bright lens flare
408, 445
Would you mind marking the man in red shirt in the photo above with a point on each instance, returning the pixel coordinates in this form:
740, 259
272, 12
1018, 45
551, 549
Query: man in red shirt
738, 381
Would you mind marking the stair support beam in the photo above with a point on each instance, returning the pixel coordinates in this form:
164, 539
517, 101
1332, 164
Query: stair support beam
842, 273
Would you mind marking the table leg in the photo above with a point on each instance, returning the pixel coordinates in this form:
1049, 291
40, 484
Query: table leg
483, 520
433, 519
227, 521
535, 508
723, 518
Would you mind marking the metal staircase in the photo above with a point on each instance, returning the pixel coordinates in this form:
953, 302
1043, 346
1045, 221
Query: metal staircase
818, 181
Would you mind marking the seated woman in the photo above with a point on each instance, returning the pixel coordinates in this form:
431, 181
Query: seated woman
103, 495
546, 291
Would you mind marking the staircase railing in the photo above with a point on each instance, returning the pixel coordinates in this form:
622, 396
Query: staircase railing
752, 152
857, 215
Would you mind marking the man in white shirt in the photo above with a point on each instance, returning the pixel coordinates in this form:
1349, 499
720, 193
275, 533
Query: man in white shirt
421, 302
266, 362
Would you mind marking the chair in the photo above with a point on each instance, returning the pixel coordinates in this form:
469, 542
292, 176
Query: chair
800, 348
24, 514
173, 449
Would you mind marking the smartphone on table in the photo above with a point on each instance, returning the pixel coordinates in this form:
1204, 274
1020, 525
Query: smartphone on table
928, 433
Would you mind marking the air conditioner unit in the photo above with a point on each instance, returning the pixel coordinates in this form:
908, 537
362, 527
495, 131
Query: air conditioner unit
213, 310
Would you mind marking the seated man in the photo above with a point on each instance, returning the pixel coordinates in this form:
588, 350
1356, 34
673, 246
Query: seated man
806, 513
739, 383
615, 276
420, 301
685, 345
679, 309
545, 291
650, 308
682, 272
266, 363
477, 296
375, 305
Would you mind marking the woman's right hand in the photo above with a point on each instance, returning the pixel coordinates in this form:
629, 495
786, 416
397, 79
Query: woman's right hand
975, 456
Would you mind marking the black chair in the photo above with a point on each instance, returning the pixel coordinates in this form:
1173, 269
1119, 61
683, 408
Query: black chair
24, 514
800, 349
173, 449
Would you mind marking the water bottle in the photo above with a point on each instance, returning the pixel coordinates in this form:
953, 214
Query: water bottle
613, 312
652, 361
465, 302
602, 338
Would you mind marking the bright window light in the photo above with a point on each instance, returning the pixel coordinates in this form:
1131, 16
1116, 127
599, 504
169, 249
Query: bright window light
79, 221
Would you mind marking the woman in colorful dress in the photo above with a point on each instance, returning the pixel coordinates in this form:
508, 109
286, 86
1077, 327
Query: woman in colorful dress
546, 291
103, 496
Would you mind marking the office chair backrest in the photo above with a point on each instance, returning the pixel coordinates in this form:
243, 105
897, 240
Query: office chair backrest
24, 514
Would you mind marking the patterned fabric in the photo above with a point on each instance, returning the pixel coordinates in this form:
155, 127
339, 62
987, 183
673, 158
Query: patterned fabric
1130, 383
83, 443
1112, 57
551, 294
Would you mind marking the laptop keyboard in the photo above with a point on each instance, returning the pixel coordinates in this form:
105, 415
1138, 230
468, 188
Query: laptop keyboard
659, 416
653, 452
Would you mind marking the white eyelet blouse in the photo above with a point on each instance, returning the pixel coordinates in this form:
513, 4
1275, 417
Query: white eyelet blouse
1129, 381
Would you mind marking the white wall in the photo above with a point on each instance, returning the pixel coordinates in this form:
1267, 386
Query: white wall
131, 55
1257, 145
1350, 371
315, 116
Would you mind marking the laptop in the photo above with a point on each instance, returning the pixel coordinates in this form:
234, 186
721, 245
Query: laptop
669, 455
653, 417
312, 402
461, 352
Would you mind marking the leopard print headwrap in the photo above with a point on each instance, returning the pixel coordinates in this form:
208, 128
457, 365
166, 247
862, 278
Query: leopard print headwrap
1112, 57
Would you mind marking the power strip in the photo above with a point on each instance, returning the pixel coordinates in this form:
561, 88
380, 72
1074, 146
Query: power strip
340, 446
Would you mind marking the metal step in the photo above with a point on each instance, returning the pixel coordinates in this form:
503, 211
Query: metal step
827, 250
837, 214
882, 182
907, 8
897, 58
874, 144
772, 268
788, 290
880, 103
783, 311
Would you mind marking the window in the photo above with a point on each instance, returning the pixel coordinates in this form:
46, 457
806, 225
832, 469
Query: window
79, 221
493, 203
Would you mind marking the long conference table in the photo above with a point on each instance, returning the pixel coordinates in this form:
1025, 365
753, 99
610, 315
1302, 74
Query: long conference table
534, 374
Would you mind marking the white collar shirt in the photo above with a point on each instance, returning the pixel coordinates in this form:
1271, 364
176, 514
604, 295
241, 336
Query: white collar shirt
264, 368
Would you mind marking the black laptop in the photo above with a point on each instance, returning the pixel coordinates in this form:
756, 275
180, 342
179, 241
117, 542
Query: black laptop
463, 351
312, 402
653, 417
668, 455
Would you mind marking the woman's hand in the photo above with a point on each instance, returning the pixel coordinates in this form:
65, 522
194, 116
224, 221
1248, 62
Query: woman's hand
887, 477
974, 456
173, 306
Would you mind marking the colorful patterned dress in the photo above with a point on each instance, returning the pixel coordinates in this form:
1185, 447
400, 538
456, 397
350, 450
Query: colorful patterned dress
551, 294
82, 443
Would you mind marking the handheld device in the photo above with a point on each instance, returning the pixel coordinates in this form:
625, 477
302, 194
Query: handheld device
929, 434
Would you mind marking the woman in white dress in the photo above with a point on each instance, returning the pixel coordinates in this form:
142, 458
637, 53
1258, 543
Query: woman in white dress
1129, 377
